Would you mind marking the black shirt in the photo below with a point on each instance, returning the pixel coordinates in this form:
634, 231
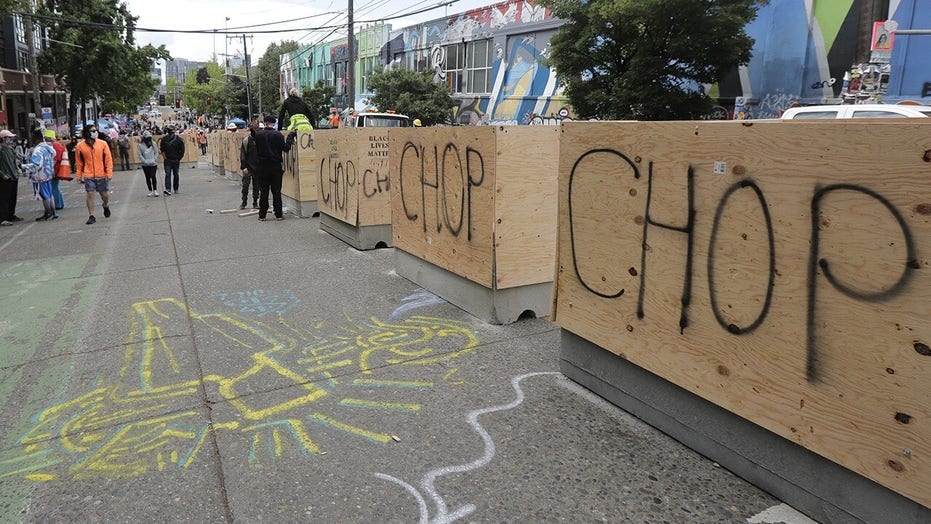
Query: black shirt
270, 144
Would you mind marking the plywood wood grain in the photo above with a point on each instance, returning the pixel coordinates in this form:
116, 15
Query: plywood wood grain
525, 205
778, 269
300, 168
442, 197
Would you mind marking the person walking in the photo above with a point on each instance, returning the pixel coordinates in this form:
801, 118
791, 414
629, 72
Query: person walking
202, 141
9, 178
270, 145
123, 143
94, 169
248, 163
41, 170
172, 147
148, 159
293, 106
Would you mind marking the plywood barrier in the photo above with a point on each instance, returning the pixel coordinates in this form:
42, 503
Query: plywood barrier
299, 184
354, 185
472, 201
779, 270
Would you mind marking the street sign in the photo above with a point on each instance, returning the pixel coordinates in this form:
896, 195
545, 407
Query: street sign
46, 113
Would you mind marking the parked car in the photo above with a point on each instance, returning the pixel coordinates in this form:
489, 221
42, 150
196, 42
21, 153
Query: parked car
856, 111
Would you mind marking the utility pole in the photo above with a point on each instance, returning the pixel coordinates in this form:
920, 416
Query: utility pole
245, 51
29, 27
351, 68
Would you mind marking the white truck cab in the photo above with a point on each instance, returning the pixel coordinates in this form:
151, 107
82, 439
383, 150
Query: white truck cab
856, 111
370, 119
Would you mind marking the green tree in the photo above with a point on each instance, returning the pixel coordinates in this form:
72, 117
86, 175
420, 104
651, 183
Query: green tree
319, 99
413, 94
266, 76
204, 92
647, 59
92, 50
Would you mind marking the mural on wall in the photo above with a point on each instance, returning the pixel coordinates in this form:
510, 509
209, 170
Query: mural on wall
522, 86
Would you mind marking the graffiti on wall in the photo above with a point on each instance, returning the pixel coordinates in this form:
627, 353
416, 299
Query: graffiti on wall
123, 426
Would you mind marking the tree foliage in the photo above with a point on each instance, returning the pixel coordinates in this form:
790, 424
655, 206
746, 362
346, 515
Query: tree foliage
413, 94
93, 51
266, 78
647, 59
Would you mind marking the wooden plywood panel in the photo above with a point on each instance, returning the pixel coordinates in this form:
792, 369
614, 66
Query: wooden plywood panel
778, 269
525, 205
339, 175
442, 197
374, 183
300, 176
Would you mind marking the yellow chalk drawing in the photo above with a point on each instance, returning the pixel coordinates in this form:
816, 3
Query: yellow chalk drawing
151, 416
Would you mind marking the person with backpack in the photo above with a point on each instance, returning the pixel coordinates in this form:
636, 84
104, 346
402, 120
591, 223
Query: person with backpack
123, 143
248, 163
172, 147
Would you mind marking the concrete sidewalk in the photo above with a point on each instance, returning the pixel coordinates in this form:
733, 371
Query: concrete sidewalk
173, 365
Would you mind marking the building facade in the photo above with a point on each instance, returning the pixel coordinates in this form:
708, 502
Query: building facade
493, 59
19, 108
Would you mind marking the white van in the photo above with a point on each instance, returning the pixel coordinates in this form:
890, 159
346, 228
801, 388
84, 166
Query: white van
856, 111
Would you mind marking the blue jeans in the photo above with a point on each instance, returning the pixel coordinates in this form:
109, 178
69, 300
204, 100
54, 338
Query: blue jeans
56, 194
171, 174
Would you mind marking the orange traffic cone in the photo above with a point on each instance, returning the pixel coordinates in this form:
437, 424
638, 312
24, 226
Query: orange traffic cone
64, 169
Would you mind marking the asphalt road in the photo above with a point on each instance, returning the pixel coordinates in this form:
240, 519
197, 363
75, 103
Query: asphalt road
168, 364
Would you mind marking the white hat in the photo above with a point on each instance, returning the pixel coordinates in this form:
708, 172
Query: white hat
6, 134
231, 125
261, 125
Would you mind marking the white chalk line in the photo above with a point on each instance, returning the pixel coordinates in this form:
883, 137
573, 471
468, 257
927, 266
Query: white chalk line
443, 515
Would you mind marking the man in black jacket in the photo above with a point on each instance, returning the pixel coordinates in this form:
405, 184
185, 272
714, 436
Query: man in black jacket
292, 105
270, 145
172, 147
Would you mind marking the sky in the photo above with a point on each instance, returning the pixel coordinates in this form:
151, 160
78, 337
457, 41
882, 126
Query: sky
244, 16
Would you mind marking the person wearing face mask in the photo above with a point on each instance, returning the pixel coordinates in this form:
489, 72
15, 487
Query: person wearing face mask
94, 170
41, 170
172, 147
148, 159
9, 178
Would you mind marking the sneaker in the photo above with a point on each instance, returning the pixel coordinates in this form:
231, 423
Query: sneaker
167, 192
155, 193
16, 219
53, 217
43, 218
91, 220
279, 218
106, 212
243, 206
176, 191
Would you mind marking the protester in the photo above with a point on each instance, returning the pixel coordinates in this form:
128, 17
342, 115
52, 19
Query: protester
62, 172
148, 159
334, 119
123, 143
172, 147
94, 169
270, 146
202, 141
9, 178
292, 106
41, 170
248, 163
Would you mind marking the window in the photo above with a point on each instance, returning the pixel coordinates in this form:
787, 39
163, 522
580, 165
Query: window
478, 66
468, 67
